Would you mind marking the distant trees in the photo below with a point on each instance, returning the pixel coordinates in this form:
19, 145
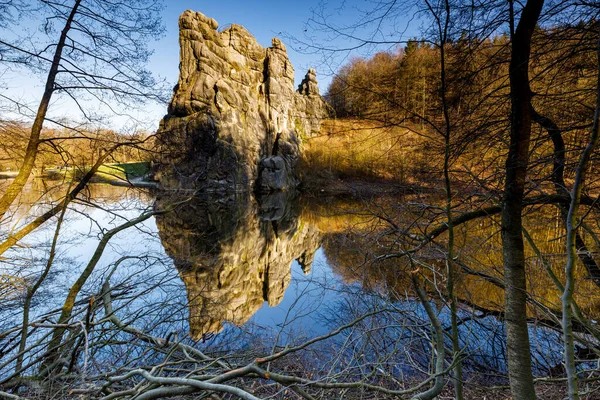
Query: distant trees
387, 84
67, 147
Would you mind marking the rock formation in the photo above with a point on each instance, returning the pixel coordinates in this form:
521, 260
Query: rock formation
235, 121
234, 254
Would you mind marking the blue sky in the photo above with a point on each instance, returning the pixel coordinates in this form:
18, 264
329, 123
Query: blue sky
286, 19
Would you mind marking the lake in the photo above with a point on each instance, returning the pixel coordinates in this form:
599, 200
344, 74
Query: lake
244, 276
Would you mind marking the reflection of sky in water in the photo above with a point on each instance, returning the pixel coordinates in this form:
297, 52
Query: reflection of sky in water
79, 237
304, 297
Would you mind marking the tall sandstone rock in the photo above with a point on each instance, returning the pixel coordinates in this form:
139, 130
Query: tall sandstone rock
235, 121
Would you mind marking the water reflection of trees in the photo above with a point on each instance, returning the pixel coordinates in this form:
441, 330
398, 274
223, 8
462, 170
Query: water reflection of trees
40, 195
361, 253
233, 254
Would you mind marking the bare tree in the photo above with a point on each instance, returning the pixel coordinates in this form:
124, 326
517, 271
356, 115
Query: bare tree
98, 55
573, 223
517, 333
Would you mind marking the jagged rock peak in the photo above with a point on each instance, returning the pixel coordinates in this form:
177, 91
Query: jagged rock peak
278, 44
234, 112
309, 85
187, 19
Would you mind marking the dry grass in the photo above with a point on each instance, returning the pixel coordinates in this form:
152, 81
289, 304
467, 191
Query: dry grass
364, 150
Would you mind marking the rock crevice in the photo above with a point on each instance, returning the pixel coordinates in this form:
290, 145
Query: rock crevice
235, 121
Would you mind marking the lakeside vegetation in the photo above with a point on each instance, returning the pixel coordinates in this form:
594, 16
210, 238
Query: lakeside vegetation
113, 172
357, 149
70, 154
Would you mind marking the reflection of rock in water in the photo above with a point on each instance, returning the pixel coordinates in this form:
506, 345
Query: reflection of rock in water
233, 254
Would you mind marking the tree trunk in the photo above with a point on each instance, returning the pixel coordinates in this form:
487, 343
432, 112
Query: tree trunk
33, 289
517, 334
439, 348
450, 292
34, 138
54, 347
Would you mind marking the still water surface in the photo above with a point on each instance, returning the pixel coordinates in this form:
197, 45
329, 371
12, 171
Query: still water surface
278, 267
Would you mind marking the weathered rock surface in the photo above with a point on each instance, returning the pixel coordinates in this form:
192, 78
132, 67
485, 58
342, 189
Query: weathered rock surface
234, 107
234, 254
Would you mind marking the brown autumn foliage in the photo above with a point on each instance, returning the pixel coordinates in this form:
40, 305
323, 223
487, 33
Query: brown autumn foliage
352, 148
390, 115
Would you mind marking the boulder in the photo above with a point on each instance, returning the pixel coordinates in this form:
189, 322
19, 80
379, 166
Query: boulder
273, 174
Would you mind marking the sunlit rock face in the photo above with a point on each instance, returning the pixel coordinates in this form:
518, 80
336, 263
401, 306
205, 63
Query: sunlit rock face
234, 112
234, 254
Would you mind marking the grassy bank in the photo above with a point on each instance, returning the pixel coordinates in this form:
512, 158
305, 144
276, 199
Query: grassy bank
109, 173
365, 153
